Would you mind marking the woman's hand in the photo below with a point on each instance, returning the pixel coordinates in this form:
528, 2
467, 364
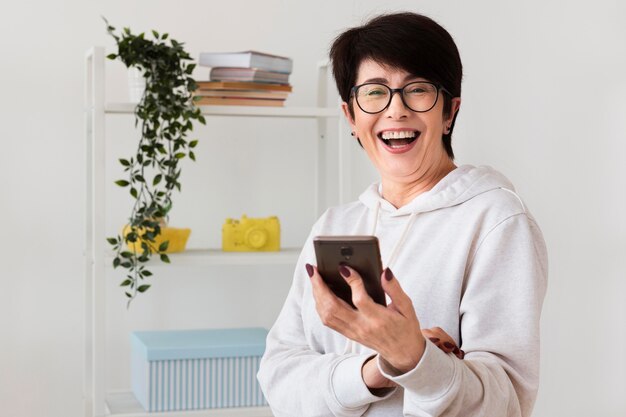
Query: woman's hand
375, 380
394, 332
443, 341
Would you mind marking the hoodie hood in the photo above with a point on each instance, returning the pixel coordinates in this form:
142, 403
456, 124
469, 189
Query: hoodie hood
459, 186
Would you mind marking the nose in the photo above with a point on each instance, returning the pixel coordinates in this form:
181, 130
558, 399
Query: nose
396, 108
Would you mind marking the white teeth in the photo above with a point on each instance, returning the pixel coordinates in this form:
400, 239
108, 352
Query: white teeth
398, 134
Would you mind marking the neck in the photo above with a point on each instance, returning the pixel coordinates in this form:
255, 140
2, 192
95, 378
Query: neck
400, 192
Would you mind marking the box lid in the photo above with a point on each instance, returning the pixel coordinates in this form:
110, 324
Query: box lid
203, 343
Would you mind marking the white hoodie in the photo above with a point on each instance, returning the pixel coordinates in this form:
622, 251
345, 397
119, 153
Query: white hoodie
474, 263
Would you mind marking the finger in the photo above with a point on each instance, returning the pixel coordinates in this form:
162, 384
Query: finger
400, 299
448, 344
360, 298
320, 289
444, 336
428, 333
458, 353
333, 311
392, 307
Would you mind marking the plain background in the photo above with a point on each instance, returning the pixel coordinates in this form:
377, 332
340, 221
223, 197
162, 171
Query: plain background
543, 101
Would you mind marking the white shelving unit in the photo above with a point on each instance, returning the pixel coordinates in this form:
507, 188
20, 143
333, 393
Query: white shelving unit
97, 401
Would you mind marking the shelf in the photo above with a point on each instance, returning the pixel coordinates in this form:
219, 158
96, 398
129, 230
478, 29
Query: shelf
293, 112
124, 404
215, 257
98, 400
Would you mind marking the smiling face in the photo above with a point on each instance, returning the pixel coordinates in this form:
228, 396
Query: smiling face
405, 146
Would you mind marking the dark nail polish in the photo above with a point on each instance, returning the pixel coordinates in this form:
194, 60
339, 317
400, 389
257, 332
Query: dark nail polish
345, 272
462, 354
309, 270
388, 274
435, 340
448, 345
456, 350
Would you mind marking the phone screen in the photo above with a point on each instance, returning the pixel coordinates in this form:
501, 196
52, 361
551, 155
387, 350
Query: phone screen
360, 253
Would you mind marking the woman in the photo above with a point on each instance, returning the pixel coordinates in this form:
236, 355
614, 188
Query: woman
462, 252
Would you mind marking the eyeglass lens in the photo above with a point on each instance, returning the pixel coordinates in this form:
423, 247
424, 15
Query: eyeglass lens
417, 96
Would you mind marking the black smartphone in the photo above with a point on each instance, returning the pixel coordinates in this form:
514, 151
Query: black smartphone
360, 253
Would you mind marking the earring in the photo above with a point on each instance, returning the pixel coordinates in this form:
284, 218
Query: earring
352, 134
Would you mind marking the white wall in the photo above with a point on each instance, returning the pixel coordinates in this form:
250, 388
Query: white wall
543, 102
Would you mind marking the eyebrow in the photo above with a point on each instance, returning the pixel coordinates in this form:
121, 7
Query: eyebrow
384, 80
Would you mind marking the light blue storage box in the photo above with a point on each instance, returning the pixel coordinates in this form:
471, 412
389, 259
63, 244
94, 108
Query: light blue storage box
196, 369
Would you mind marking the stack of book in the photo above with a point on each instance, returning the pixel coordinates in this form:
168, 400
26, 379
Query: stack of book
247, 78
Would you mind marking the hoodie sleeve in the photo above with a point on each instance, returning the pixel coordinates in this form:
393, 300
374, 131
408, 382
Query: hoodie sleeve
500, 308
298, 380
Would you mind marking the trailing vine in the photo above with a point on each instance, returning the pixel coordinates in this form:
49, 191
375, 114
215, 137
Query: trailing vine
165, 114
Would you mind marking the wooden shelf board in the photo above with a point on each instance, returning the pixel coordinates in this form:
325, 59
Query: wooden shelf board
208, 257
250, 111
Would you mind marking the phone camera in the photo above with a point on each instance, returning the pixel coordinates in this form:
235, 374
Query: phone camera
346, 251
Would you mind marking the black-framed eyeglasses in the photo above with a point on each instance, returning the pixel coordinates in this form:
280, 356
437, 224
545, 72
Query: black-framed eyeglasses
418, 96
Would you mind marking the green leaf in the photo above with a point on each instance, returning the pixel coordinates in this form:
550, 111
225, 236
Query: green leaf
116, 262
125, 283
143, 288
163, 118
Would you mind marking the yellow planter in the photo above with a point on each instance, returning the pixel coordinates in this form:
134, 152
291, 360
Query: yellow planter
176, 236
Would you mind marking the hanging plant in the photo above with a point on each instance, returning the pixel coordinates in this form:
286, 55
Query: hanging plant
164, 114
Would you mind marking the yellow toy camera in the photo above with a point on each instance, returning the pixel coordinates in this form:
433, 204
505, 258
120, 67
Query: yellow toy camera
251, 235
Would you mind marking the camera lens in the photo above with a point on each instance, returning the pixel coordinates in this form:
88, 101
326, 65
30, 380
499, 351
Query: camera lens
346, 252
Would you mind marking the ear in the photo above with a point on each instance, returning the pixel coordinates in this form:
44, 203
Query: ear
455, 106
346, 113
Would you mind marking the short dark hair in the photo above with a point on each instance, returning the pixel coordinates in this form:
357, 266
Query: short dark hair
409, 41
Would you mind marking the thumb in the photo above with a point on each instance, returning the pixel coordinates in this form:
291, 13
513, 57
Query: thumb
400, 300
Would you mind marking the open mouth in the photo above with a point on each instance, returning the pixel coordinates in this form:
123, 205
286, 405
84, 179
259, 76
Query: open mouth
398, 139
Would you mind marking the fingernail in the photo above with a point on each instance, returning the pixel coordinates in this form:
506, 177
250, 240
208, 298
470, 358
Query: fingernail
462, 354
448, 345
388, 274
345, 272
456, 350
434, 339
309, 270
